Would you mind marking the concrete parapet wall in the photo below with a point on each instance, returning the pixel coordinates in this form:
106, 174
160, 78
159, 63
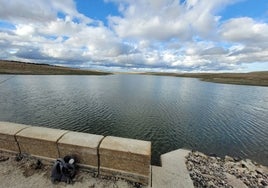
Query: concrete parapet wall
125, 158
40, 141
8, 140
110, 156
83, 146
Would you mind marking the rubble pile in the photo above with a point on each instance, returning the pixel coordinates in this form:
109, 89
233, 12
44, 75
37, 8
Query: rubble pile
212, 171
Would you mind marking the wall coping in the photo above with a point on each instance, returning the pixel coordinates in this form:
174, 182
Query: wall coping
127, 145
42, 133
11, 129
81, 139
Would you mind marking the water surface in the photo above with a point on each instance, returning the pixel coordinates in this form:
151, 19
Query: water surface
169, 111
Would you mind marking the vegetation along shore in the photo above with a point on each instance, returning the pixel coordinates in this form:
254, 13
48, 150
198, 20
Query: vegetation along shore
251, 78
16, 67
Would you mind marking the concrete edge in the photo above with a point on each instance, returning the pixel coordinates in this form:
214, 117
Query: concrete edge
29, 142
173, 172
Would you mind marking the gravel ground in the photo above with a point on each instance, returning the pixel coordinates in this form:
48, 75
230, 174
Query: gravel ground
212, 171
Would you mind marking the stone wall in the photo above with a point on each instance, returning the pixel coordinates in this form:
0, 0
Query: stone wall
108, 156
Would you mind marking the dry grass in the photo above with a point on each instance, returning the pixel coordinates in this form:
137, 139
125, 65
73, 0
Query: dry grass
15, 67
252, 78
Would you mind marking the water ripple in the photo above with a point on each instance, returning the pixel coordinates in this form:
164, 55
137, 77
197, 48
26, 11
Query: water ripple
170, 112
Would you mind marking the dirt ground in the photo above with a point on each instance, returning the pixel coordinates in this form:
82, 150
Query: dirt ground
27, 172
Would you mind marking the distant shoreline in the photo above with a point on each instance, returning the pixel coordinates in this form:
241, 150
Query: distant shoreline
23, 68
251, 78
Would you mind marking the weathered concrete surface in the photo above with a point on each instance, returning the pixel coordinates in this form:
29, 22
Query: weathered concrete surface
40, 141
81, 145
126, 158
173, 172
7, 136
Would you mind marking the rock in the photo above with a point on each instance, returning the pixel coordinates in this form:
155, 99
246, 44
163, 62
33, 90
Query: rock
243, 165
228, 159
201, 154
229, 165
264, 183
258, 176
196, 160
259, 172
190, 165
208, 176
236, 159
246, 182
211, 172
218, 158
213, 159
211, 184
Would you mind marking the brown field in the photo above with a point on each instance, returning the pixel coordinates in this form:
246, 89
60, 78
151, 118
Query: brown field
251, 78
15, 67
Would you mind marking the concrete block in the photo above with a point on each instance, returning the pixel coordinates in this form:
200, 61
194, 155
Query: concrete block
7, 136
40, 141
125, 158
173, 172
83, 146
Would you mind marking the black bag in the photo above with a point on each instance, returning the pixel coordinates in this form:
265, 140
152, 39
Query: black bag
63, 170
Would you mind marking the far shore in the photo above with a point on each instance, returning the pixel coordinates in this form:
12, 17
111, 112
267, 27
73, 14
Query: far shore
251, 78
16, 67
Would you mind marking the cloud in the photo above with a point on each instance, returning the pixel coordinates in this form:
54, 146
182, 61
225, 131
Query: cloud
166, 19
41, 34
38, 11
160, 35
32, 10
250, 38
245, 30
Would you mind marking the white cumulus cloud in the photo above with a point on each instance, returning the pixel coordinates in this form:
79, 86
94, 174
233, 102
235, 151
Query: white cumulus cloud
160, 35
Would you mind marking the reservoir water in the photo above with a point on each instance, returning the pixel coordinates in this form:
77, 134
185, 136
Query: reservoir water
171, 112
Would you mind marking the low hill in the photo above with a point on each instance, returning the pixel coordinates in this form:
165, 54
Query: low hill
16, 67
251, 78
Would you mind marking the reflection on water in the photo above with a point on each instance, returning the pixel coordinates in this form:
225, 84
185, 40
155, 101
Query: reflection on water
171, 112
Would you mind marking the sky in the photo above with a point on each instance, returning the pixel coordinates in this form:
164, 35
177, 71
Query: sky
137, 35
